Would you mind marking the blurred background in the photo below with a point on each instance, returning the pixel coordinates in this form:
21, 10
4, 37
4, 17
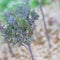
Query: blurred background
40, 46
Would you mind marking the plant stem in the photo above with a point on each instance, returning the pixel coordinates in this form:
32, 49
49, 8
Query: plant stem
29, 47
25, 46
46, 30
10, 50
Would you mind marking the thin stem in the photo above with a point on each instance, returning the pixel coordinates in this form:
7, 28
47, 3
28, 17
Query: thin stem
29, 47
46, 30
24, 46
10, 50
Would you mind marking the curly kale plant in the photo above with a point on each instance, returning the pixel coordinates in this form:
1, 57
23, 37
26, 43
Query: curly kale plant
18, 21
19, 26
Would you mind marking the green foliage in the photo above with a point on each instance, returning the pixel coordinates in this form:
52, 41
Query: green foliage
23, 24
33, 3
43, 2
18, 27
3, 4
18, 32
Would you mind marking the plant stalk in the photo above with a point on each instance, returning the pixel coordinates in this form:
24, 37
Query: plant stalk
10, 50
29, 47
46, 30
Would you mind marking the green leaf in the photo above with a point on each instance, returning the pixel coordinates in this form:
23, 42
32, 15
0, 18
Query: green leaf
3, 4
23, 24
43, 2
33, 3
3, 21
